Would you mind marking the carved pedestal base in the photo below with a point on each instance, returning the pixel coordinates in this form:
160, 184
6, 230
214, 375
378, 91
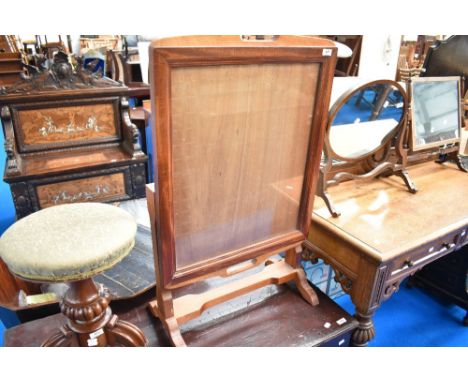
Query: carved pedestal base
91, 322
365, 331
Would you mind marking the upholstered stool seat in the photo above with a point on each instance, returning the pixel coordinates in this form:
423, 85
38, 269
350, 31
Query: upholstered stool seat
68, 242
72, 243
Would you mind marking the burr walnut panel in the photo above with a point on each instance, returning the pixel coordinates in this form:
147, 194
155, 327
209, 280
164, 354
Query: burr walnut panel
94, 189
240, 136
66, 125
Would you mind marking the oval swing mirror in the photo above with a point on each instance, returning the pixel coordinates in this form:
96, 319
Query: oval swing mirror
364, 137
364, 119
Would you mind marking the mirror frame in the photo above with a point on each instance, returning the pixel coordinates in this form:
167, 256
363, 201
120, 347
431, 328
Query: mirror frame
343, 100
414, 146
377, 161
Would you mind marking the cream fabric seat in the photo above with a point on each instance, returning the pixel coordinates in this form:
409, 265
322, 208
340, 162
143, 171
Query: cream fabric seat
68, 242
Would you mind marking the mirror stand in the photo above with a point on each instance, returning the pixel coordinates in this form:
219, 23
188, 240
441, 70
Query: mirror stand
448, 152
350, 159
376, 166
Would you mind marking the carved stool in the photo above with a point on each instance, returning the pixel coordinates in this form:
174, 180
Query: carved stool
71, 243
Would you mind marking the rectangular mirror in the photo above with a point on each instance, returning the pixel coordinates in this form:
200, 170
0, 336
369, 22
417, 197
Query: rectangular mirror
435, 111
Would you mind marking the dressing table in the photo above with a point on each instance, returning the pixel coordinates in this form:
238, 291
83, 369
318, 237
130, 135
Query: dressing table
384, 234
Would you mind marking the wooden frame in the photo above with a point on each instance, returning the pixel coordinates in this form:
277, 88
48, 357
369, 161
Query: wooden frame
418, 147
374, 162
214, 52
444, 58
343, 99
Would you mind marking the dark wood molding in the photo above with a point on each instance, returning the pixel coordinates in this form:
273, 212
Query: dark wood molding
60, 76
13, 163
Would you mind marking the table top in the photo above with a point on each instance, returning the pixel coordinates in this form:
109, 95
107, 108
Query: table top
386, 219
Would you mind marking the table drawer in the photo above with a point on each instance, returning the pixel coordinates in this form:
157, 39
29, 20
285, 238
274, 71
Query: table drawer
411, 262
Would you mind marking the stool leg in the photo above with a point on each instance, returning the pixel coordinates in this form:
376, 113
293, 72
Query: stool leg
91, 322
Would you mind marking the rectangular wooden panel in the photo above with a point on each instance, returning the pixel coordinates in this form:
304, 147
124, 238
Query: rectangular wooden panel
94, 189
240, 136
66, 125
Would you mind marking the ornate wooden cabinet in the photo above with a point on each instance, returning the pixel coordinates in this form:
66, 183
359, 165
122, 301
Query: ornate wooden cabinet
69, 138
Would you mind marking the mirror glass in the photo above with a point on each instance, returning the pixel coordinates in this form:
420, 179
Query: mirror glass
367, 118
436, 111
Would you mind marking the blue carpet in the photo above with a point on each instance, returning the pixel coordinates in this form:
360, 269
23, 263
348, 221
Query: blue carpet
2, 329
415, 317
7, 209
7, 217
350, 112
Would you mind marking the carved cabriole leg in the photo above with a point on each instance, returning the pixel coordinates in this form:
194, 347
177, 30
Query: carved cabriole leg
63, 338
90, 320
331, 207
122, 333
462, 162
322, 193
408, 182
